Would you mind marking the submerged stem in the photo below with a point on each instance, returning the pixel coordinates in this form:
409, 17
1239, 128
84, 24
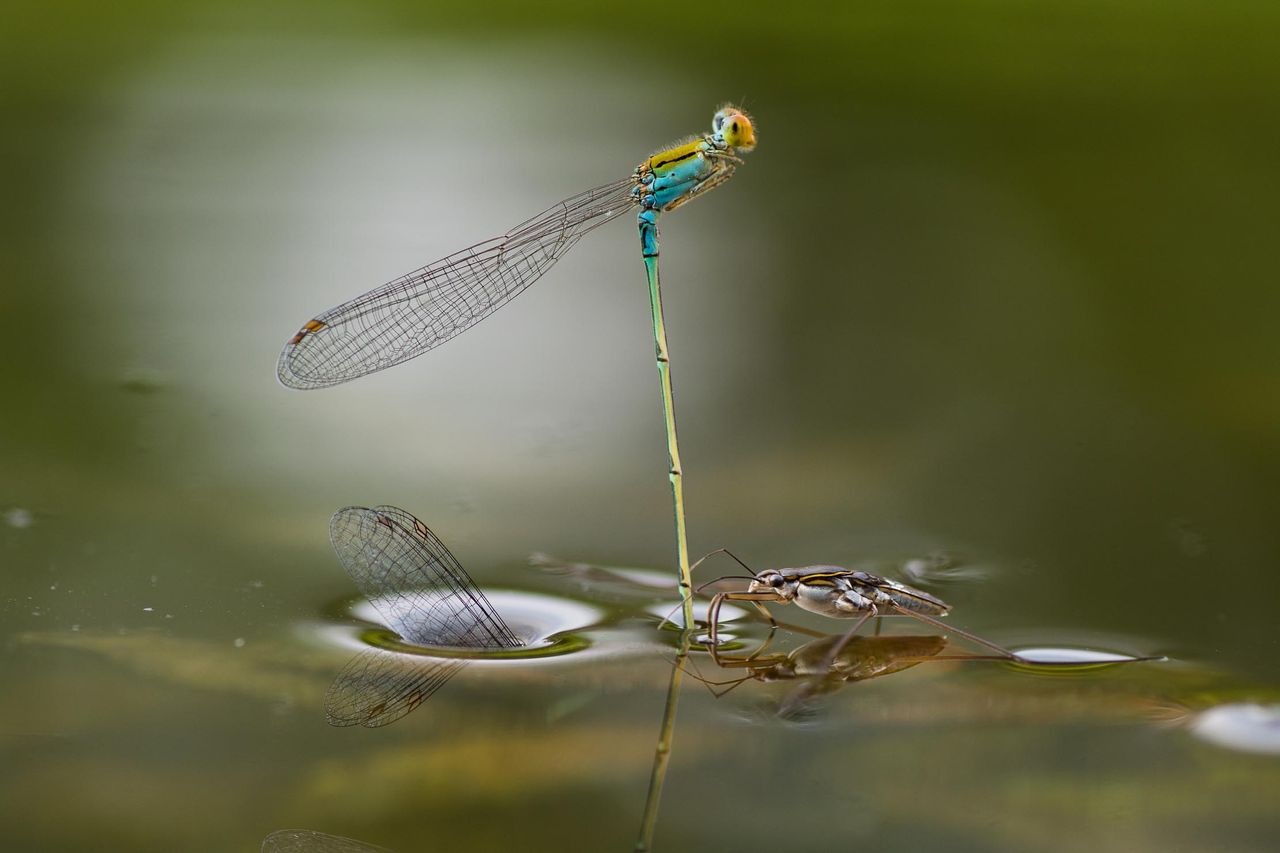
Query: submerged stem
662, 752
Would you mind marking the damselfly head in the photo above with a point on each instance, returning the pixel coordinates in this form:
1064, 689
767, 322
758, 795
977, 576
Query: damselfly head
772, 580
734, 126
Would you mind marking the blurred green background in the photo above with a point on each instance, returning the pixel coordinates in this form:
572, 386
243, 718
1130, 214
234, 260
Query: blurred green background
999, 281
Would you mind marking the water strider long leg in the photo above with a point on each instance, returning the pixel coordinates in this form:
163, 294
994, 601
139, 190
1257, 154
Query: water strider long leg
712, 685
800, 629
751, 659
713, 612
727, 553
772, 660
844, 641
952, 629
699, 562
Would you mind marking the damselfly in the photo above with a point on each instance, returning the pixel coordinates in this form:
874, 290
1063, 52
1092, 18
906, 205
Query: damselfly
424, 308
841, 594
424, 595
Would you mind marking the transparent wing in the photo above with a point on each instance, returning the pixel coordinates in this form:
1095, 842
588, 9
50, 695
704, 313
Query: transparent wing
906, 597
413, 581
406, 317
378, 687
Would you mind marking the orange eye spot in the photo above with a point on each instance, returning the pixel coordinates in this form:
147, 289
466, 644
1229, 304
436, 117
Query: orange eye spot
740, 133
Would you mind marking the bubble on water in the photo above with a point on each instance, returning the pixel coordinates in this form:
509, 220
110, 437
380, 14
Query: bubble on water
238, 642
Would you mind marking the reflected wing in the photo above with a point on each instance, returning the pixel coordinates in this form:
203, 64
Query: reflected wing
377, 687
310, 841
406, 317
414, 582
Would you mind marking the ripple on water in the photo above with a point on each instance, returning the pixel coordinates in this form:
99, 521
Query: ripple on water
549, 626
1071, 658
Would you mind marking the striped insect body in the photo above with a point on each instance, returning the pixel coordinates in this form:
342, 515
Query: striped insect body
840, 594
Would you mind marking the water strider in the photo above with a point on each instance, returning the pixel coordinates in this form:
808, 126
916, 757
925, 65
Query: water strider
411, 314
841, 594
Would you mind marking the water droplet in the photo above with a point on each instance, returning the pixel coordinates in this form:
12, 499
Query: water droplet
238, 642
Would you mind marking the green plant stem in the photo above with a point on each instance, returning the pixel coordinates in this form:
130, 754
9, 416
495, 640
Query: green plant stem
673, 442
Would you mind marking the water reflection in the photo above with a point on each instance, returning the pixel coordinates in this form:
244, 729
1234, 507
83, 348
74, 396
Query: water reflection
377, 687
861, 658
310, 841
819, 672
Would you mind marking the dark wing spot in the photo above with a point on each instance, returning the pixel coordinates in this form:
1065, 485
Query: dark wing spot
308, 328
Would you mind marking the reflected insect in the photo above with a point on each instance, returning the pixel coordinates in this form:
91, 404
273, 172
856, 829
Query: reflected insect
408, 316
839, 593
860, 659
310, 841
424, 595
